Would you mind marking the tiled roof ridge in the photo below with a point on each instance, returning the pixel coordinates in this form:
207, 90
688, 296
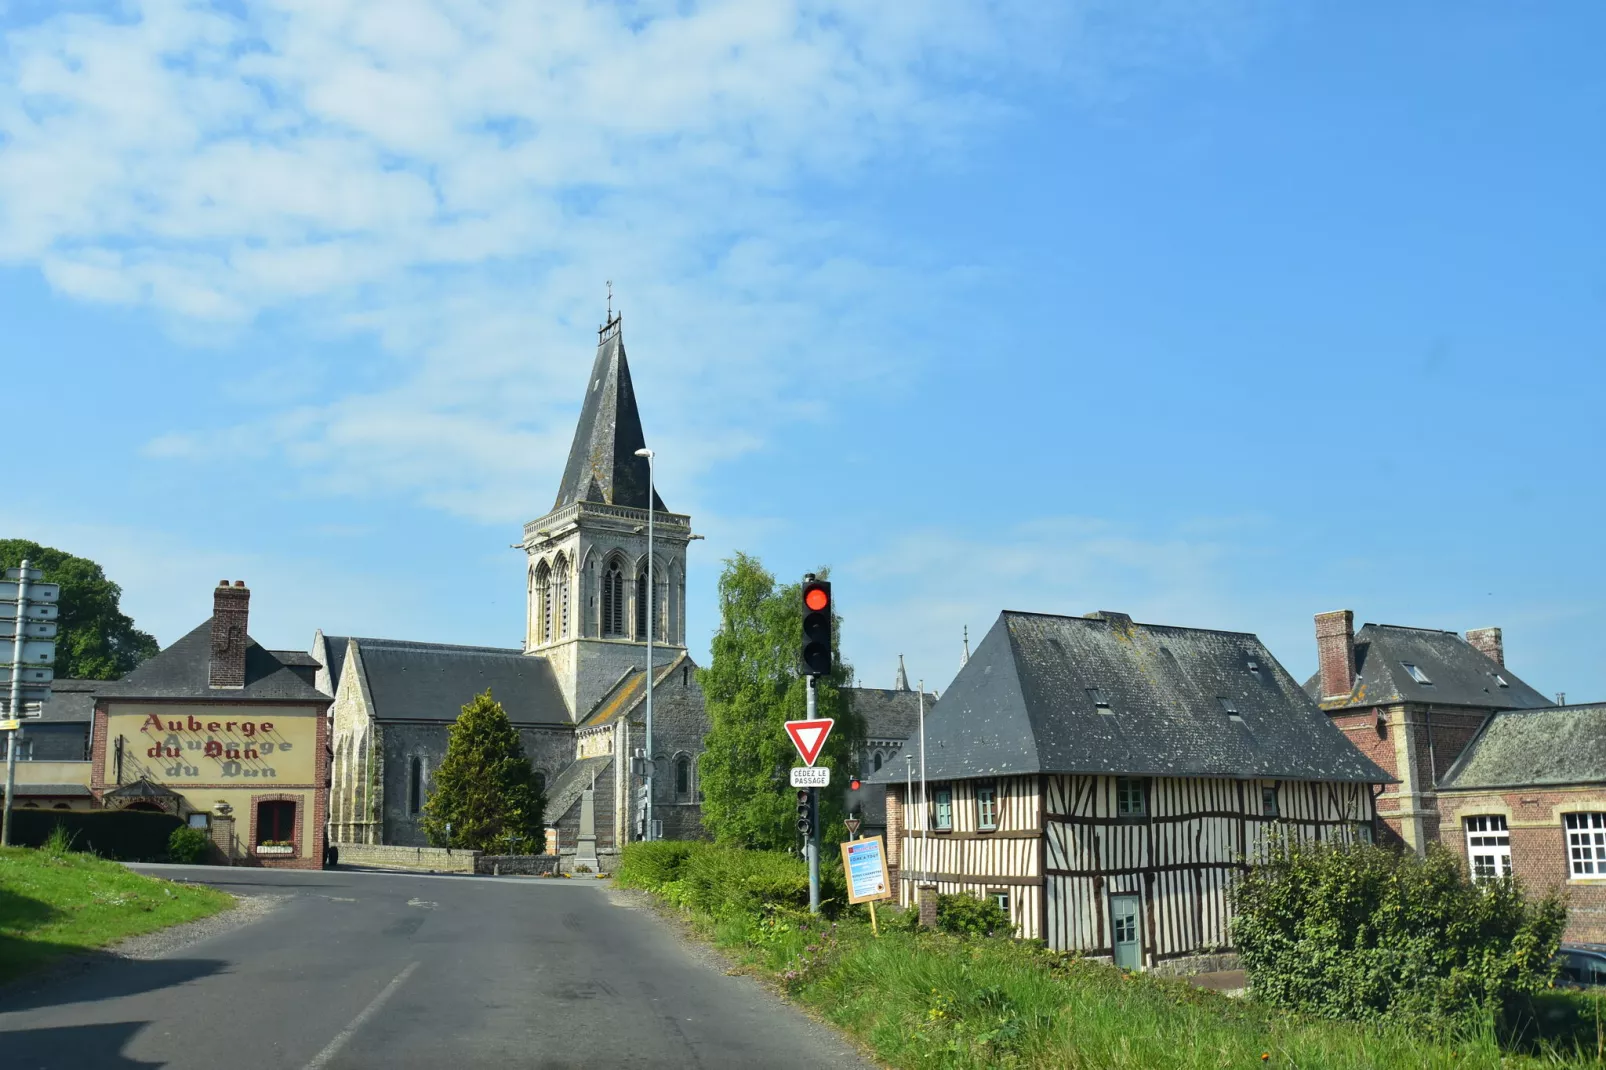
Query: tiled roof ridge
442, 648
1136, 623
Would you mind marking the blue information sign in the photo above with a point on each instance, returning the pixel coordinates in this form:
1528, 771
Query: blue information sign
865, 864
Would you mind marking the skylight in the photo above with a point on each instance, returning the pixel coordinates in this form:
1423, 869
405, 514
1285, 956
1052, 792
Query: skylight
1227, 704
1254, 666
1501, 680
1099, 701
1417, 674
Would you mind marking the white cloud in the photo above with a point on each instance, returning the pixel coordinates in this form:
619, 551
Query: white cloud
458, 178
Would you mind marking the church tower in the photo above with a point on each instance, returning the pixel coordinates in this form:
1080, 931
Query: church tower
587, 559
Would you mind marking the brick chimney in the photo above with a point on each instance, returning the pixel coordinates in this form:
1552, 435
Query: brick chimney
1335, 651
231, 606
1490, 642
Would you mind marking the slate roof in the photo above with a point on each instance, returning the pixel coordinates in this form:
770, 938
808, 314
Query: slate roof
183, 670
1553, 745
628, 694
889, 713
71, 701
48, 791
335, 650
434, 681
603, 466
565, 789
1021, 705
1461, 674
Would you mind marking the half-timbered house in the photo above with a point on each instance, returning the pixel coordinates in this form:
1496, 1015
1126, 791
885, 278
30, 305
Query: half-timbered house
1106, 782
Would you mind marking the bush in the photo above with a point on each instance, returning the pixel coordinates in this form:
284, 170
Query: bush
968, 915
1365, 932
121, 835
188, 846
650, 866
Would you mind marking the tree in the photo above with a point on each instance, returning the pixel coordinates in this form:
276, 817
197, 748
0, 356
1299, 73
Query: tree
485, 791
753, 683
95, 639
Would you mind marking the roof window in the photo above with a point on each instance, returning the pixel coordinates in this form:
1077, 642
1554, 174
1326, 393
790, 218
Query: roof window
1227, 704
1100, 703
1417, 674
1254, 666
1501, 680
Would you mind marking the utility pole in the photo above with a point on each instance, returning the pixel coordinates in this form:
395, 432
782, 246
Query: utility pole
32, 611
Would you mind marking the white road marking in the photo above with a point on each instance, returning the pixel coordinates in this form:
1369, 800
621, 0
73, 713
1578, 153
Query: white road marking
422, 903
343, 1037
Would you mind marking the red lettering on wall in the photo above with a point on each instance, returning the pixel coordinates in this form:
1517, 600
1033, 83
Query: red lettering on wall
267, 726
195, 726
214, 749
212, 726
152, 721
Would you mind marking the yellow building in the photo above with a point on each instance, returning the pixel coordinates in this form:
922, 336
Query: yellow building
220, 731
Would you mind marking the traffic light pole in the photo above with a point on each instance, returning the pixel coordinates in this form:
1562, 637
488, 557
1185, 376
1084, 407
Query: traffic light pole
811, 850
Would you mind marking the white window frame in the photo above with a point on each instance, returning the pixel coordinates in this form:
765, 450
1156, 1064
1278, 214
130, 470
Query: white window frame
1586, 844
1488, 846
1131, 798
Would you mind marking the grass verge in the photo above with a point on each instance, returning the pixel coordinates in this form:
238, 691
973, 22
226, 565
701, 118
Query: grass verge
54, 903
921, 999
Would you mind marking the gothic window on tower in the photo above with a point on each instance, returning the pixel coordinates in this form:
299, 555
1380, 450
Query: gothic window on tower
613, 602
541, 587
683, 776
561, 580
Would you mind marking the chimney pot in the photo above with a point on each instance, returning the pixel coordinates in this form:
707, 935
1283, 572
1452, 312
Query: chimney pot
1490, 642
1335, 652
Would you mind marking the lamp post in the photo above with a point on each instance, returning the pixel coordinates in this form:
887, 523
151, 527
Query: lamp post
652, 599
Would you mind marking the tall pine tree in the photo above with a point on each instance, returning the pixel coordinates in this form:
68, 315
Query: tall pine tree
485, 792
754, 682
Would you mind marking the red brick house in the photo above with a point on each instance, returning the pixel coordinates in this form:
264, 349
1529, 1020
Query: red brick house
1412, 699
1528, 797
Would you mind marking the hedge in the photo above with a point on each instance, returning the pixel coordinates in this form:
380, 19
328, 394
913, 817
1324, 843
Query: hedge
121, 835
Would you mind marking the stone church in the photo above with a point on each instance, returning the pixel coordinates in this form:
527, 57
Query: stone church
576, 690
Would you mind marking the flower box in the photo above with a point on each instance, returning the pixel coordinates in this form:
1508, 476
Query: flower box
276, 849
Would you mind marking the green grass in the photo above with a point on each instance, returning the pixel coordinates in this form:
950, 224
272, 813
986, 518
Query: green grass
932, 1000
54, 902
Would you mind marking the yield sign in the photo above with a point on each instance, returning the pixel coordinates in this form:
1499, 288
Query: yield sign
809, 737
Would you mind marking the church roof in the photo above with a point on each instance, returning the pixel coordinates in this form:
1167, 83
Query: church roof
603, 466
1102, 695
565, 790
183, 670
629, 693
889, 713
434, 681
1458, 673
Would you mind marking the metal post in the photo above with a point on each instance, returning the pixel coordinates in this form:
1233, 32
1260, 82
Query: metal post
14, 707
652, 601
811, 850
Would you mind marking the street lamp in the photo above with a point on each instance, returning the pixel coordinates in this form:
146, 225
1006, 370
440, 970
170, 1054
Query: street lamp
652, 600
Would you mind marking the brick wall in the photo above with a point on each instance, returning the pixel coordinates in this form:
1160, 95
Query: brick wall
1539, 855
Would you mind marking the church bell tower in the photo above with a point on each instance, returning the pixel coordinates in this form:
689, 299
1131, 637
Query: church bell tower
588, 599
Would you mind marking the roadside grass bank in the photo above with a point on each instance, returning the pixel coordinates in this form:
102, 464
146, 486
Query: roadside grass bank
55, 902
920, 999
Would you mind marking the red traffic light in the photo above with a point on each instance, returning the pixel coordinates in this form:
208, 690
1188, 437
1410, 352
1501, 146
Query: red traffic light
816, 598
853, 785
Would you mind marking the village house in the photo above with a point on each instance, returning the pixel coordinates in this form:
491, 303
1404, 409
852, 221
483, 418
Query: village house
1527, 797
1107, 781
1411, 699
219, 731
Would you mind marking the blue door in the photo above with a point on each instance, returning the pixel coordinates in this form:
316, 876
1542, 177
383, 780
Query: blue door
1124, 929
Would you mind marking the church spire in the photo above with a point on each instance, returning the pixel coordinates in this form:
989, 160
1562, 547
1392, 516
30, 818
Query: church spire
603, 466
902, 682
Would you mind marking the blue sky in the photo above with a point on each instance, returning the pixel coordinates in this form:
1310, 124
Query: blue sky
1217, 313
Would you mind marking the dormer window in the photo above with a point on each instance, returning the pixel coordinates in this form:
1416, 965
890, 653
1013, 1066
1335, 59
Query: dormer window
1229, 707
1417, 674
1100, 703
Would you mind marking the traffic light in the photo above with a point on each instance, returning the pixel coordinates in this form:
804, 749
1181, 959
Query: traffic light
805, 813
816, 627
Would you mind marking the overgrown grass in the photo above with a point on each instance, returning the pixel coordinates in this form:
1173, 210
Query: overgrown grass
54, 902
934, 1000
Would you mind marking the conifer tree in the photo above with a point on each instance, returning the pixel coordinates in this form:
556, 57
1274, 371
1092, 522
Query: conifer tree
754, 682
485, 791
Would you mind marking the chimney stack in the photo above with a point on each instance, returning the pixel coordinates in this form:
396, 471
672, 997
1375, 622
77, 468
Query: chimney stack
1490, 642
230, 607
1335, 651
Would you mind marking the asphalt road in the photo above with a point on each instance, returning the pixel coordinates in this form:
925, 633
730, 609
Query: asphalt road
357, 970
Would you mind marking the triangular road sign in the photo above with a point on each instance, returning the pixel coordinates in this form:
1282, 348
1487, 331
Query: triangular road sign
809, 737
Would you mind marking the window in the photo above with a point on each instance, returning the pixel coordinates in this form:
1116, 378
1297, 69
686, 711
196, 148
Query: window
1254, 666
1501, 680
942, 808
564, 584
1227, 704
1268, 800
1417, 674
643, 606
1129, 801
1488, 847
415, 785
1099, 701
613, 602
683, 775
23, 748
543, 604
1000, 897
986, 806
538, 778
276, 823
1586, 844
876, 762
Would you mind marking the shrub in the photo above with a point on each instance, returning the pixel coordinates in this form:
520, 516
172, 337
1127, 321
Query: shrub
1365, 932
652, 865
59, 842
968, 915
188, 846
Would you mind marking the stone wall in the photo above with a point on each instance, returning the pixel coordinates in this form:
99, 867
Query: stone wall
516, 865
433, 859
